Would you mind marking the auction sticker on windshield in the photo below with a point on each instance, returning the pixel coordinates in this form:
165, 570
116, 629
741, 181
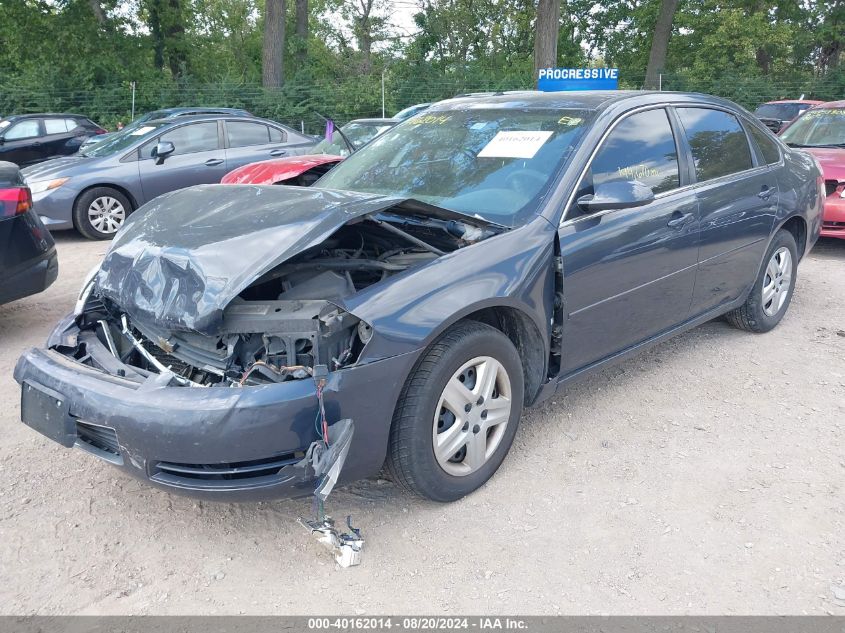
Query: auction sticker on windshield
519, 144
142, 130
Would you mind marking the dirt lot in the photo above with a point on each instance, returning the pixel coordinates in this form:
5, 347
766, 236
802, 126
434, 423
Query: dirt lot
706, 476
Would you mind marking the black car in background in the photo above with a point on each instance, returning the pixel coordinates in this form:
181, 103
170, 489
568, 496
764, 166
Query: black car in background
26, 139
28, 262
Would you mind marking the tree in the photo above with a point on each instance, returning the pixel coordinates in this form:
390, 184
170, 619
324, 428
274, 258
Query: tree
273, 51
301, 32
660, 43
166, 21
97, 10
545, 39
369, 26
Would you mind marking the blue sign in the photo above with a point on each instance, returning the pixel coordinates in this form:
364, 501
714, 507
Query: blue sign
558, 79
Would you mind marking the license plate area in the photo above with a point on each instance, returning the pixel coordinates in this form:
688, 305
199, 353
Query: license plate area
46, 411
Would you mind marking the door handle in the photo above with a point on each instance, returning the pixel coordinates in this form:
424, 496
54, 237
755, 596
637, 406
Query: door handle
678, 221
278, 152
213, 162
766, 193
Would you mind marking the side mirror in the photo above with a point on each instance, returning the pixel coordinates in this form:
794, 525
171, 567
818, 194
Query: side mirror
2, 140
162, 151
618, 194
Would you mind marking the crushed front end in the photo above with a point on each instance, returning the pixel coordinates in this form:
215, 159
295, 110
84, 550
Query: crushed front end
237, 408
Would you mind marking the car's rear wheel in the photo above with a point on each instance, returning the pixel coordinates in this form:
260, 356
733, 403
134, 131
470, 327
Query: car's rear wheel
772, 292
100, 212
457, 414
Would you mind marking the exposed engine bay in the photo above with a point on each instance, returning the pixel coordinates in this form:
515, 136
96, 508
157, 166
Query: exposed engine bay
287, 324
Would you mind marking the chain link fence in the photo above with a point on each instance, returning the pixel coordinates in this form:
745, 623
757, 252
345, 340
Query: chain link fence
298, 102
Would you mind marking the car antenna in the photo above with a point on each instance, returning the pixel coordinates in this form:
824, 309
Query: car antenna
349, 143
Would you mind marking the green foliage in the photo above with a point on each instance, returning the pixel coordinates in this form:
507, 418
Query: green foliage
58, 55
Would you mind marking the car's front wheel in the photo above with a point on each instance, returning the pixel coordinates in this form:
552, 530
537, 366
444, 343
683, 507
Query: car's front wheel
772, 292
100, 212
457, 414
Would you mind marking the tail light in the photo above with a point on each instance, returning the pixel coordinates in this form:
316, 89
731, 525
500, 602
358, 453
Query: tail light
100, 131
15, 201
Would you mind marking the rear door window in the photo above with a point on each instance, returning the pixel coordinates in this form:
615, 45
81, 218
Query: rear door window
642, 148
245, 133
768, 146
277, 136
718, 142
55, 126
28, 128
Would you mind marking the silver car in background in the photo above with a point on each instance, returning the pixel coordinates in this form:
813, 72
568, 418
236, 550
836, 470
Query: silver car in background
95, 191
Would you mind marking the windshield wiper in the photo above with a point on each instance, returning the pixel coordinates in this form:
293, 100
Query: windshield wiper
833, 145
349, 143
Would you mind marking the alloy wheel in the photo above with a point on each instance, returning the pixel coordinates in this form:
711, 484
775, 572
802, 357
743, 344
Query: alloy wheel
777, 282
471, 416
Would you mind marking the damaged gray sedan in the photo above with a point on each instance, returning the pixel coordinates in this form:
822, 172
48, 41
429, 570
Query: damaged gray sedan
251, 342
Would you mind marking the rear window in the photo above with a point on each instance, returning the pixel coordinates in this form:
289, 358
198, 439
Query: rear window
779, 111
718, 143
59, 126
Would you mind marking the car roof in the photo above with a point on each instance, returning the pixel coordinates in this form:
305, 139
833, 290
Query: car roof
213, 117
830, 104
44, 114
207, 117
799, 101
376, 121
581, 100
201, 109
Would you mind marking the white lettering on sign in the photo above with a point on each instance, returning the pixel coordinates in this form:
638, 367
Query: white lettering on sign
519, 144
579, 73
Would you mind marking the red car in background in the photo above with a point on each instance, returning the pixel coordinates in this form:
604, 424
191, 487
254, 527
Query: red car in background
306, 170
821, 132
775, 115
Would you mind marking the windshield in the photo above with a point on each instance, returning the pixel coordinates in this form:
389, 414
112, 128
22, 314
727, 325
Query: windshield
120, 141
491, 163
820, 127
780, 111
358, 133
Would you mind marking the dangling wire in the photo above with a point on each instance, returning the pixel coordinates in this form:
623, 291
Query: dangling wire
323, 431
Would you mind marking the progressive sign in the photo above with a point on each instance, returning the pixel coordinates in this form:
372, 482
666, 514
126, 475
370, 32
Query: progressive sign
558, 79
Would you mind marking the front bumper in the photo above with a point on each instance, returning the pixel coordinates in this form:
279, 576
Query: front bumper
55, 207
833, 219
232, 444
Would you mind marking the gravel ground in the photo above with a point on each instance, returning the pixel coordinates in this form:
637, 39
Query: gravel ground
703, 477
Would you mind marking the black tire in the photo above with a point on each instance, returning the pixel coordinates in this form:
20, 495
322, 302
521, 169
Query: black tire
752, 315
411, 459
82, 221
